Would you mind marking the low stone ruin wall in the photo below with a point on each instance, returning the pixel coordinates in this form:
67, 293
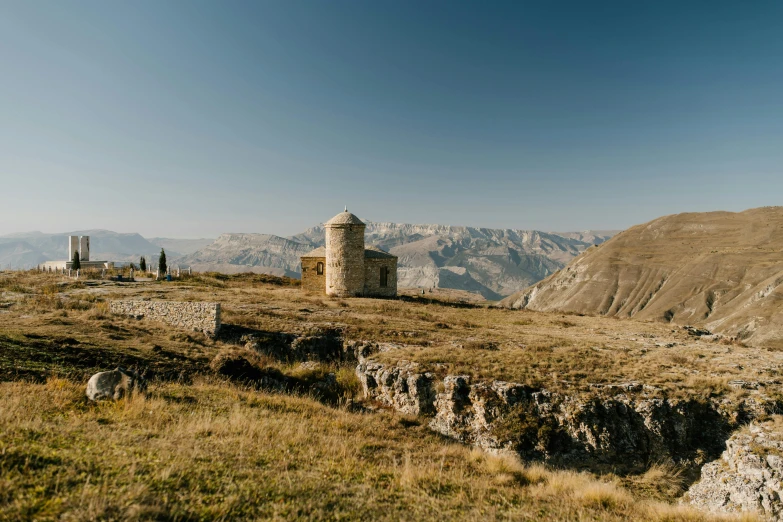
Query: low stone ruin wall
197, 316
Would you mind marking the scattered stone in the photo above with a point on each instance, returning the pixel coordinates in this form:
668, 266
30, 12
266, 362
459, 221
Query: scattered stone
744, 385
114, 384
621, 387
322, 345
696, 332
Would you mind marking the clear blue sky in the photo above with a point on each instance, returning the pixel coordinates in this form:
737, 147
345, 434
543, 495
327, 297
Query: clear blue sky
191, 118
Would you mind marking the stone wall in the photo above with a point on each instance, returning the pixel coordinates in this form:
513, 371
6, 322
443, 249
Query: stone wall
196, 316
372, 277
344, 260
311, 280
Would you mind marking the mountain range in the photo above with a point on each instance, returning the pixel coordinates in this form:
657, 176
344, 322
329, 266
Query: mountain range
490, 262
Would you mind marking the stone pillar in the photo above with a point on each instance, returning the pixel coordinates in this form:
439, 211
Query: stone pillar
84, 248
73, 247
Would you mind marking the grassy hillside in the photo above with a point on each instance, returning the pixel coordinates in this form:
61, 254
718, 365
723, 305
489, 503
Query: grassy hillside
198, 446
719, 270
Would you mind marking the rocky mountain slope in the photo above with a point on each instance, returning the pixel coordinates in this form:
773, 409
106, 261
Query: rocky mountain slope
719, 270
181, 246
262, 253
19, 254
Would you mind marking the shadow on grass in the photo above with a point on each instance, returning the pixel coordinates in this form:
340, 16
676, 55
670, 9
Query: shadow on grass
436, 302
36, 358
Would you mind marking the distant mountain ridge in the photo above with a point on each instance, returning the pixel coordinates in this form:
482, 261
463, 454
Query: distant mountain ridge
28, 249
491, 262
181, 246
263, 253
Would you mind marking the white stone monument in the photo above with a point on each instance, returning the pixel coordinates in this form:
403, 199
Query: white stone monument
73, 247
84, 248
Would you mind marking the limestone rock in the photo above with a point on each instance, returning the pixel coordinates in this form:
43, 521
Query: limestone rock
114, 384
626, 424
749, 475
402, 386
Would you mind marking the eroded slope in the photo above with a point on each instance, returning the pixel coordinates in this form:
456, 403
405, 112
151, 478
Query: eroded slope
719, 270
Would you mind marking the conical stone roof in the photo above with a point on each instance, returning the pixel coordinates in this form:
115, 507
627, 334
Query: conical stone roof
344, 218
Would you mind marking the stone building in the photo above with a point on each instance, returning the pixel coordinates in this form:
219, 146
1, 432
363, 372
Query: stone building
344, 267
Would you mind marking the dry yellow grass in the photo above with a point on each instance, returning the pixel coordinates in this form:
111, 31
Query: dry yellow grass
541, 349
197, 448
215, 451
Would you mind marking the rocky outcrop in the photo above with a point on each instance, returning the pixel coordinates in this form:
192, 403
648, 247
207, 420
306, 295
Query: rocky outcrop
322, 344
749, 475
627, 425
401, 387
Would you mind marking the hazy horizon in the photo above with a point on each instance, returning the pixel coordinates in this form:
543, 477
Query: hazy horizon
192, 119
23, 233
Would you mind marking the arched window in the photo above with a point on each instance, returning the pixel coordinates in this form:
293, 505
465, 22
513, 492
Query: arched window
384, 276
319, 268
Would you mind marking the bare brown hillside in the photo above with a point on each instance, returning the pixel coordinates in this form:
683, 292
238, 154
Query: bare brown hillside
718, 270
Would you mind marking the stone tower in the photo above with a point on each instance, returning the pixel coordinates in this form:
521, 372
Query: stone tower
344, 255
